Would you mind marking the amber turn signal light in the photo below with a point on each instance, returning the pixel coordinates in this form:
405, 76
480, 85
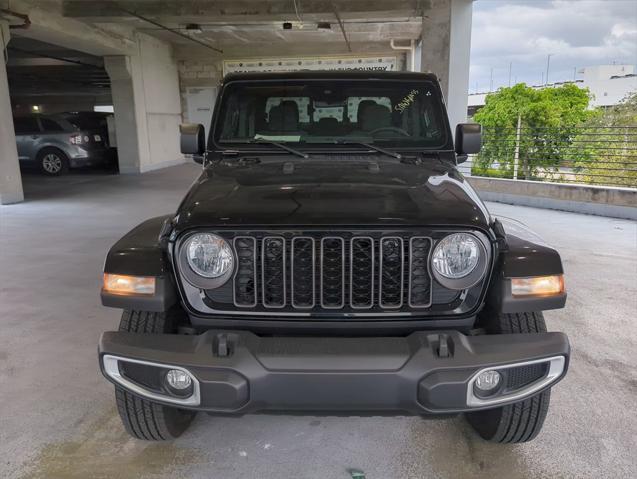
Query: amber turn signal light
129, 285
538, 286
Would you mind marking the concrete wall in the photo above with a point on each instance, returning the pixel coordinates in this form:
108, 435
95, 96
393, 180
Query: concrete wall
596, 200
197, 73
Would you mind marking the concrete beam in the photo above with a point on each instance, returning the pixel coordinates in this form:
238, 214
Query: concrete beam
194, 52
272, 34
234, 10
48, 25
39, 62
10, 178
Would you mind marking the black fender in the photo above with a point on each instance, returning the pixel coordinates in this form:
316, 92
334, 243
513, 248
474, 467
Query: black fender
142, 252
522, 254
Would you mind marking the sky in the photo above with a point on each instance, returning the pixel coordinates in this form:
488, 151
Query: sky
522, 33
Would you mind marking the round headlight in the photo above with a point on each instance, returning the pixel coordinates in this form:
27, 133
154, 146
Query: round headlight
209, 255
456, 255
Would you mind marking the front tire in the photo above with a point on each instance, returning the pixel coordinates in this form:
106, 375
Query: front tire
52, 162
144, 419
521, 421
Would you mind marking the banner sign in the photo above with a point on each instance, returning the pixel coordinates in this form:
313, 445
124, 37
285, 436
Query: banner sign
366, 63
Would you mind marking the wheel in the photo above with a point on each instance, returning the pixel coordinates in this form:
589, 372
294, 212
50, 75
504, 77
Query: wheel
52, 162
144, 419
521, 421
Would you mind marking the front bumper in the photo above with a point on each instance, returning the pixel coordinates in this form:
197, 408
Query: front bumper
423, 373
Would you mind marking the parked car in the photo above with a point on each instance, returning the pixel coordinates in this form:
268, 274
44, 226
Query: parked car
52, 144
331, 259
101, 123
90, 121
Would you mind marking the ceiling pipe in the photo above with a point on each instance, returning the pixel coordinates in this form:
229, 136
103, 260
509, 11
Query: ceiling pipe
412, 50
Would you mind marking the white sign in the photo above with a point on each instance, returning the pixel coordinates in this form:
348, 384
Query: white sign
201, 102
367, 63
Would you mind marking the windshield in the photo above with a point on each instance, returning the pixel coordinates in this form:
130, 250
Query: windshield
87, 122
327, 112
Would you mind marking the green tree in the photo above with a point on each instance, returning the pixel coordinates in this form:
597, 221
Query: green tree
548, 118
609, 146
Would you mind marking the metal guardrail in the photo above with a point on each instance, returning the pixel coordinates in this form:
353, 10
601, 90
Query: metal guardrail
593, 155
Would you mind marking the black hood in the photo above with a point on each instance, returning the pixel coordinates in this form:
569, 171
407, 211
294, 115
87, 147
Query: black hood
367, 191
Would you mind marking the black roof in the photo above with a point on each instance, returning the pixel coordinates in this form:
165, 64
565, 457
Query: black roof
331, 75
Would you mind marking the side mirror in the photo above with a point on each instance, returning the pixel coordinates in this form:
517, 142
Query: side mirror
193, 139
468, 140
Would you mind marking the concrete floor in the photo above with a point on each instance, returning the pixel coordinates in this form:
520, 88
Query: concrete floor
57, 414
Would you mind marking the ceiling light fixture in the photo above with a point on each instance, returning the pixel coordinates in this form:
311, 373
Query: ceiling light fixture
194, 28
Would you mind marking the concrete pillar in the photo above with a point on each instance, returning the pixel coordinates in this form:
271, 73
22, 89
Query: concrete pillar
10, 178
147, 103
445, 50
459, 54
128, 119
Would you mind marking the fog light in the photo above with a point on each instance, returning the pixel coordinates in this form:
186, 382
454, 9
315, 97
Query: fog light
178, 379
487, 381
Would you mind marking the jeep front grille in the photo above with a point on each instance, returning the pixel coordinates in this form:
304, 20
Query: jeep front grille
333, 273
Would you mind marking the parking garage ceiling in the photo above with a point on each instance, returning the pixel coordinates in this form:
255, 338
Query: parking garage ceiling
36, 68
263, 27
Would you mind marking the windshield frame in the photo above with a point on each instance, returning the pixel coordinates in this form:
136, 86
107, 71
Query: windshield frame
214, 143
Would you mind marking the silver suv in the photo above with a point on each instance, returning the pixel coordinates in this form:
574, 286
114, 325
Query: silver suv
53, 144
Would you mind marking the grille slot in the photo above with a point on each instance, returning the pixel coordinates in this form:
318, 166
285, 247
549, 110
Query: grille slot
303, 265
273, 271
245, 279
332, 272
419, 280
391, 277
362, 272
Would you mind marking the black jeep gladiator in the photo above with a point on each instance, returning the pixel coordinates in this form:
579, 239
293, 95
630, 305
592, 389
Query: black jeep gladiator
331, 259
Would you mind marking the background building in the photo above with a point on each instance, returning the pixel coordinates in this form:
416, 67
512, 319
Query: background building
608, 85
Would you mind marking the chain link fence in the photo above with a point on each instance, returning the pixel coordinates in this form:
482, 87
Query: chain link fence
592, 155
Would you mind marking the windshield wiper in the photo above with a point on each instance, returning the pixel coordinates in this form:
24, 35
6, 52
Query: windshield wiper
280, 145
394, 154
